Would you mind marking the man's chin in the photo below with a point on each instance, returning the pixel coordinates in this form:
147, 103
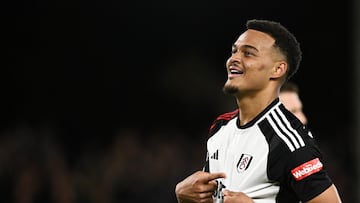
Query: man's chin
230, 89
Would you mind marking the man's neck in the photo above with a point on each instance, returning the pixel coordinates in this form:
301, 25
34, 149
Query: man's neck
250, 107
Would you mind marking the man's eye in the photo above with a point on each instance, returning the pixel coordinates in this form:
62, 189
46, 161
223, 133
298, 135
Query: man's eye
247, 53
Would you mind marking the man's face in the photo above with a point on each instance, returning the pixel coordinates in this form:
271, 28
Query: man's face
293, 103
251, 63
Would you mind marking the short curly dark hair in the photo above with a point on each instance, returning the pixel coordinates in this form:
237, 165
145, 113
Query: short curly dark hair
284, 40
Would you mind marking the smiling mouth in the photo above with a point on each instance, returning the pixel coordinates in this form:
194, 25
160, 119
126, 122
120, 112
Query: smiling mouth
233, 73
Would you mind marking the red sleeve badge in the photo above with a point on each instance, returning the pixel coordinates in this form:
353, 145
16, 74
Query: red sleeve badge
306, 169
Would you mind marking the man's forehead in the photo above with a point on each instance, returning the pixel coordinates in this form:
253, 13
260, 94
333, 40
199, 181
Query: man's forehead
254, 37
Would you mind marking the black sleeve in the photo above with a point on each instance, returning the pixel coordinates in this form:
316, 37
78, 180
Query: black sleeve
301, 173
306, 174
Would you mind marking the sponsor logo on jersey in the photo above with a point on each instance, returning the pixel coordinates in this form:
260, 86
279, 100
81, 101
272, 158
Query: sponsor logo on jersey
218, 193
244, 162
306, 169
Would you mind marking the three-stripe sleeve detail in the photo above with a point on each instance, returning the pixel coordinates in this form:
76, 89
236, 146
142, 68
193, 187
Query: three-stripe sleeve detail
283, 129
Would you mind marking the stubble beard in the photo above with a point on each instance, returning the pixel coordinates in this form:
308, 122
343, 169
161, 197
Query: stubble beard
230, 89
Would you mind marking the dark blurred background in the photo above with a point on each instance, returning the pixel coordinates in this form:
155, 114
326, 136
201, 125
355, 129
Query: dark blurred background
111, 101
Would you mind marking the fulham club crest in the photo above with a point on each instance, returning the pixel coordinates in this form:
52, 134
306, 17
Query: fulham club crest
244, 162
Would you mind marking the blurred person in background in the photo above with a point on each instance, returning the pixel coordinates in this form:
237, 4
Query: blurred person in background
289, 96
260, 152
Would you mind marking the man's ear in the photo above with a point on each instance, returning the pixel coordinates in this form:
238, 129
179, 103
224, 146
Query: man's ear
279, 70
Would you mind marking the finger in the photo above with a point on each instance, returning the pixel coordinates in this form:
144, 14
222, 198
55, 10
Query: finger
213, 176
207, 200
231, 193
205, 195
227, 192
210, 187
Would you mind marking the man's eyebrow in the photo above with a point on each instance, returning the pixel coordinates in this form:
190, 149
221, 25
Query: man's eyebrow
245, 46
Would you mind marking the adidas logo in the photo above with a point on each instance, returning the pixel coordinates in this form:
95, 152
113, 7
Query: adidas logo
215, 155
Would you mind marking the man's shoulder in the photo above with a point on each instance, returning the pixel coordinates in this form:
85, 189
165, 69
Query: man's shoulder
228, 115
221, 120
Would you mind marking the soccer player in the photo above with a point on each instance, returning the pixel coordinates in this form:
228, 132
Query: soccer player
260, 152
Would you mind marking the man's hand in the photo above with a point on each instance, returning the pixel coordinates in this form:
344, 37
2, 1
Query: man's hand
236, 197
197, 188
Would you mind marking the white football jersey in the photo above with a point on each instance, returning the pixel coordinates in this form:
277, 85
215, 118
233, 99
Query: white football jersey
273, 158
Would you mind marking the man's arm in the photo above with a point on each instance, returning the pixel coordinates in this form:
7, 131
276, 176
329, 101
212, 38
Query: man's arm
236, 197
330, 195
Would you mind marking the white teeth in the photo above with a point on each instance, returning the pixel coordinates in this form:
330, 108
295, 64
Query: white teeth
234, 71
